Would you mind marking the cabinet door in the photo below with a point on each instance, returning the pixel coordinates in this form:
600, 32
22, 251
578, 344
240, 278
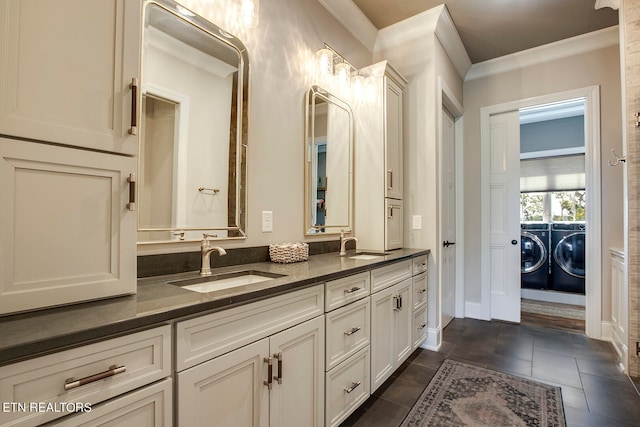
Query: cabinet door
297, 394
65, 70
393, 135
66, 234
226, 391
382, 330
403, 312
393, 227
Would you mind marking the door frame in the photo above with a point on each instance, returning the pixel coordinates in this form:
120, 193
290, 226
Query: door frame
593, 280
448, 101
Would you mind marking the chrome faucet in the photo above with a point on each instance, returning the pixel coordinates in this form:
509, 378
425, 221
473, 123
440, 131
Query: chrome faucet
205, 250
343, 243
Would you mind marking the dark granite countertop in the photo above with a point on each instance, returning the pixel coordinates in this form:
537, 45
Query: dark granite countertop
29, 334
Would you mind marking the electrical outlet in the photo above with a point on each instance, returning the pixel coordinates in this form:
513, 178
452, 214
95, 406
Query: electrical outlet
417, 222
267, 221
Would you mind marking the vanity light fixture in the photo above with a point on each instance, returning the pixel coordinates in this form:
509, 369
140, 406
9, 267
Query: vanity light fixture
249, 12
343, 73
330, 62
358, 81
325, 61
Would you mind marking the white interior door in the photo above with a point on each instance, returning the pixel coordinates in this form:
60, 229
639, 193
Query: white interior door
505, 222
448, 222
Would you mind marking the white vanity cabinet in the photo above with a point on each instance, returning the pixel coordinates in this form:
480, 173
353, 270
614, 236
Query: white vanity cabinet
66, 234
379, 161
420, 292
107, 371
260, 364
65, 71
348, 334
392, 318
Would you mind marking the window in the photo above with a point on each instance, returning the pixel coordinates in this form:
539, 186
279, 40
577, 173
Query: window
553, 206
568, 206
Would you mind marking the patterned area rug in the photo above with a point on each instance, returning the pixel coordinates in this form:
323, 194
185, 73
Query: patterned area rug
466, 395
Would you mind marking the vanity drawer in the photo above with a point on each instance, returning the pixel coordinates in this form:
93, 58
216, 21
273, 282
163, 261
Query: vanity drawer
150, 406
347, 387
419, 326
348, 331
145, 357
348, 289
386, 276
209, 336
420, 264
419, 290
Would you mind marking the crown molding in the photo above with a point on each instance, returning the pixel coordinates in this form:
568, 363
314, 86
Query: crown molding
353, 20
433, 21
549, 52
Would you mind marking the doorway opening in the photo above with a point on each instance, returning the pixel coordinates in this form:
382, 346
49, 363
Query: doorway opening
500, 282
552, 215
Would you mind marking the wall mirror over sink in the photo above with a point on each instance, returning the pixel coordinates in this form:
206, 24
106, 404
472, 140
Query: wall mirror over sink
328, 164
193, 128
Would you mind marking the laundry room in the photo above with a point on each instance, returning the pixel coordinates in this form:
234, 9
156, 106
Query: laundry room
553, 207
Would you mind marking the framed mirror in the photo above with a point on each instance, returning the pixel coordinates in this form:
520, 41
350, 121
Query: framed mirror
193, 128
328, 163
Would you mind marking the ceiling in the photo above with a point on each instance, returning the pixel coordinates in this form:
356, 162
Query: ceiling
493, 28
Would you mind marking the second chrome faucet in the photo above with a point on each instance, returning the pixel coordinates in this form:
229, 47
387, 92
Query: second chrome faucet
205, 251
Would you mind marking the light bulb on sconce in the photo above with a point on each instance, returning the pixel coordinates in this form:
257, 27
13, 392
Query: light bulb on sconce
324, 57
249, 12
357, 83
343, 73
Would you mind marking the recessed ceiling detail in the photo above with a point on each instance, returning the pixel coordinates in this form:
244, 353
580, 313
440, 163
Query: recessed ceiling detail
494, 28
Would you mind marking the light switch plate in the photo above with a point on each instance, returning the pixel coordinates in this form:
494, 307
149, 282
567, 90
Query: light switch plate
417, 222
267, 221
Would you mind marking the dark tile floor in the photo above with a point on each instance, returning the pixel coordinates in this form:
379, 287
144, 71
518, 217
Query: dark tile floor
594, 390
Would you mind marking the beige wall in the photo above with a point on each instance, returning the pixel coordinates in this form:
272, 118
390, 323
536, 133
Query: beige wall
599, 67
281, 49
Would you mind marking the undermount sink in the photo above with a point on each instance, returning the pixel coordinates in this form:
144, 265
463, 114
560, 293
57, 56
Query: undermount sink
220, 282
367, 255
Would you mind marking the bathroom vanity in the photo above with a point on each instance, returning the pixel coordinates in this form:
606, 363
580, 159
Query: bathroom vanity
174, 356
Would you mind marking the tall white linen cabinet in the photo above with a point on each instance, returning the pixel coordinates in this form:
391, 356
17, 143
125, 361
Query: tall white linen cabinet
378, 159
67, 70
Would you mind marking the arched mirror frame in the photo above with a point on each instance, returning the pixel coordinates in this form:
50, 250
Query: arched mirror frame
240, 122
311, 197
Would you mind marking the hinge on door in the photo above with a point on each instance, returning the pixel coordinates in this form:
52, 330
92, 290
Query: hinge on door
637, 348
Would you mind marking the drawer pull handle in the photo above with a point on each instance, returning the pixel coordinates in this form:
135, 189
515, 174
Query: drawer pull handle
133, 130
352, 331
279, 377
269, 381
72, 383
397, 302
131, 179
422, 326
352, 290
422, 291
353, 387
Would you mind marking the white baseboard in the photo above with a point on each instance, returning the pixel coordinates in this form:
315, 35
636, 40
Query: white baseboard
622, 351
606, 333
433, 341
